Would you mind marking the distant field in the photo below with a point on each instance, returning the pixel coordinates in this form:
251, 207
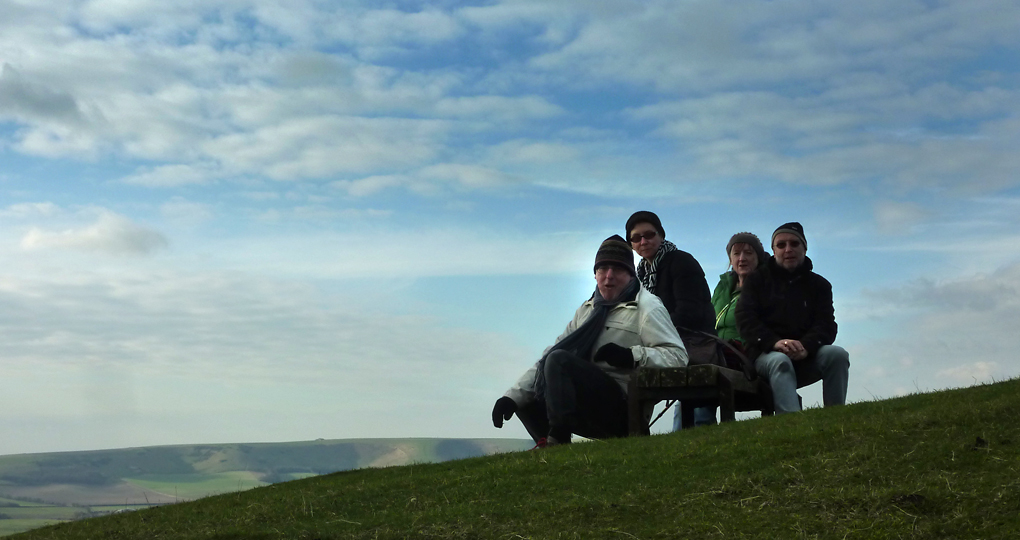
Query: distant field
194, 486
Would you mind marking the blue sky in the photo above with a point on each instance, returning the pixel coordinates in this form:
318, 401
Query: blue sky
227, 221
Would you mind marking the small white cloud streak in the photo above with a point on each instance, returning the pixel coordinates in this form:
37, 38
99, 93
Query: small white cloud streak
170, 176
898, 217
110, 234
30, 210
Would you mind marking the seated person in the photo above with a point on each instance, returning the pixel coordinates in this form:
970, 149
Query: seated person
786, 318
678, 280
746, 254
580, 383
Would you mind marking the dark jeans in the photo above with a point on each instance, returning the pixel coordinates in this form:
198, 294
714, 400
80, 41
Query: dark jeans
579, 398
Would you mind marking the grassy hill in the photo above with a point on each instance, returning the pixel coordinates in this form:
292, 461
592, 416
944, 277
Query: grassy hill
939, 465
36, 489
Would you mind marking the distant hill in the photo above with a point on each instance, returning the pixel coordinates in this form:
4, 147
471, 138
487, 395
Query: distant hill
103, 481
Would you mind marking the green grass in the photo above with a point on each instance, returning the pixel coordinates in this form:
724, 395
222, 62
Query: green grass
12, 526
942, 465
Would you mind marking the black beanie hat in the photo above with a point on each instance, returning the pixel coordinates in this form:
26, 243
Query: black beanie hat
644, 216
617, 251
793, 228
750, 239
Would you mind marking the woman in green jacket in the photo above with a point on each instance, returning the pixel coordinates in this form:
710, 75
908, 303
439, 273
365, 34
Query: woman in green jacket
746, 255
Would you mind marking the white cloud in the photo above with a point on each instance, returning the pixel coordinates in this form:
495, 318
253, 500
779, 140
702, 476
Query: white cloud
470, 176
498, 108
531, 152
320, 147
171, 176
898, 217
29, 210
373, 184
111, 234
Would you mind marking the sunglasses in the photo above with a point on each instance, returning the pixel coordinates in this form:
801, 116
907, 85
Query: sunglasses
646, 235
794, 244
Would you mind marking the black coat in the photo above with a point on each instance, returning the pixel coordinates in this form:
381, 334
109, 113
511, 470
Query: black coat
680, 284
778, 304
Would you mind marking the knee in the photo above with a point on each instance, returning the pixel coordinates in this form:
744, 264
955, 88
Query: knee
833, 357
556, 361
774, 363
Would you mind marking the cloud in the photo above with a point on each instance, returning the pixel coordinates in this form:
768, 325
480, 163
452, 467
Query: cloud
34, 102
531, 152
944, 334
317, 359
29, 210
110, 234
498, 108
171, 176
363, 187
898, 218
470, 176
910, 96
324, 146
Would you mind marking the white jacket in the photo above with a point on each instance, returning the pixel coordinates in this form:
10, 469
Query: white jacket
642, 324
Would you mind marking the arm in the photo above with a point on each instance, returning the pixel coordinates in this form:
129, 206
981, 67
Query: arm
660, 345
687, 288
749, 314
823, 317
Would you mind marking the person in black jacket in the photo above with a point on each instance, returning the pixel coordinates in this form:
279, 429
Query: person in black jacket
678, 280
786, 318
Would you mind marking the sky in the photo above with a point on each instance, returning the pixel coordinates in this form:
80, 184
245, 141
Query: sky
235, 221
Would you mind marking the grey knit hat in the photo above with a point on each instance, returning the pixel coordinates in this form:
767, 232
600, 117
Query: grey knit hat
615, 250
793, 228
749, 239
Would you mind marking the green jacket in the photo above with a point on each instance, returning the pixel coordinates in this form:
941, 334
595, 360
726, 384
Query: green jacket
724, 300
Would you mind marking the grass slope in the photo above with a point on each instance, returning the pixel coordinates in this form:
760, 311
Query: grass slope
940, 465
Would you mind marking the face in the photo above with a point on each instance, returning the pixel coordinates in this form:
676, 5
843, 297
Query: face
789, 250
743, 259
648, 242
611, 280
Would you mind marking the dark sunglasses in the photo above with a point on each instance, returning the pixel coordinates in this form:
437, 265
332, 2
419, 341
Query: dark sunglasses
646, 235
793, 244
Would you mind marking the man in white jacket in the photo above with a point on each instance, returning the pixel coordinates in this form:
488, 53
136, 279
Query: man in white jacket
580, 383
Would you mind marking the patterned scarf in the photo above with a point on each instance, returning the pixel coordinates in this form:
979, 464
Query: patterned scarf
648, 272
580, 341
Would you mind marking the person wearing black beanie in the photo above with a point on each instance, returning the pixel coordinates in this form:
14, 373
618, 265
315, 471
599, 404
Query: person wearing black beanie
677, 278
786, 317
579, 385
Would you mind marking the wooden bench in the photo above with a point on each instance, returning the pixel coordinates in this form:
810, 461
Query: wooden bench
695, 386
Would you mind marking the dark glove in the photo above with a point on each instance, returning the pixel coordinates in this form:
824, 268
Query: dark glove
504, 410
615, 355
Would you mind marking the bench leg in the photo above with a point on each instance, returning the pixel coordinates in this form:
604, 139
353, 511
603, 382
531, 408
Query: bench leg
768, 406
686, 415
636, 423
727, 400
